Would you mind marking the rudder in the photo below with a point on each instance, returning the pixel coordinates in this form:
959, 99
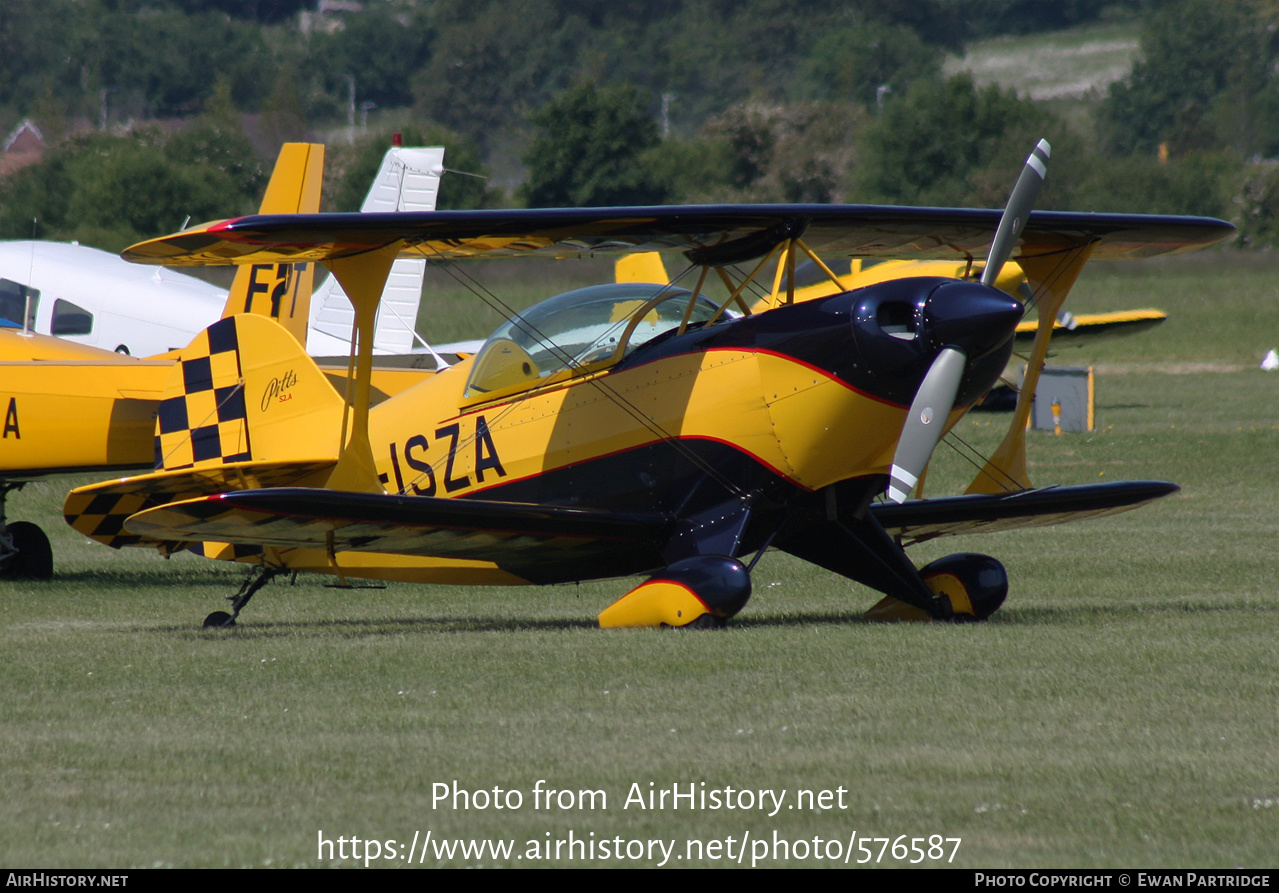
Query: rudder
244, 390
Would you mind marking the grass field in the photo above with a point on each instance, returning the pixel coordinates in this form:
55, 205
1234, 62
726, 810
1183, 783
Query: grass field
1121, 710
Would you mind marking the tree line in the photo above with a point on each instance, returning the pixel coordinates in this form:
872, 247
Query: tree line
773, 102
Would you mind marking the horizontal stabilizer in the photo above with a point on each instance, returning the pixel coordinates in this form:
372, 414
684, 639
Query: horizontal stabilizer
100, 510
926, 519
538, 542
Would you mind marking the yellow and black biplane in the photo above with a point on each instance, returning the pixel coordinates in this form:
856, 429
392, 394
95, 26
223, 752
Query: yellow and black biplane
626, 428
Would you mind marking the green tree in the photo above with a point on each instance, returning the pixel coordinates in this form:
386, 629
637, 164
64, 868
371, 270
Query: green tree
1259, 206
802, 152
858, 58
494, 60
166, 60
264, 11
382, 49
984, 18
590, 151
43, 48
111, 191
955, 144
217, 140
1201, 65
1195, 183
465, 186
283, 115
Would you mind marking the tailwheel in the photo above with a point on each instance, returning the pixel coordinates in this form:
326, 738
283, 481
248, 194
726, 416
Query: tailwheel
973, 585
223, 620
696, 593
30, 557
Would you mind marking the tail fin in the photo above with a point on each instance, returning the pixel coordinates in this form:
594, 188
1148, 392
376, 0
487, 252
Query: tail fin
244, 407
644, 267
408, 180
283, 291
245, 391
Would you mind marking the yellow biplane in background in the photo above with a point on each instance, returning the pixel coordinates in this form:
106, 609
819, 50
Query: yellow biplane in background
811, 281
624, 428
1068, 330
74, 408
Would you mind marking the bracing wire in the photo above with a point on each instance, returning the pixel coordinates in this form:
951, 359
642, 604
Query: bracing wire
604, 388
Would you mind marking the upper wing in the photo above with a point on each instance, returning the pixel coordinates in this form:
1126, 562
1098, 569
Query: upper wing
540, 543
925, 519
710, 234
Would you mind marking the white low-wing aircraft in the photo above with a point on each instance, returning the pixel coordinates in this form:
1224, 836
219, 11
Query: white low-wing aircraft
95, 298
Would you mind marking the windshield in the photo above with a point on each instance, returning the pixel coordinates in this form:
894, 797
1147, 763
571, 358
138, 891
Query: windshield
576, 329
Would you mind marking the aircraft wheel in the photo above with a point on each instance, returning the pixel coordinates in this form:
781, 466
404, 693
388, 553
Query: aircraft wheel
218, 619
34, 557
706, 621
975, 585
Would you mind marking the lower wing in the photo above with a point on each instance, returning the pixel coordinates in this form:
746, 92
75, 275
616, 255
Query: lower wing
538, 542
925, 519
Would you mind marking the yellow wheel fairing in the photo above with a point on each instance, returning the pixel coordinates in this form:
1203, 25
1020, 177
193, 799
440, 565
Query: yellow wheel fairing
948, 585
684, 593
894, 610
655, 603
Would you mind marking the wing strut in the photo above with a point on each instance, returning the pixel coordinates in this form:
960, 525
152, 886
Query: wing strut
362, 277
786, 267
735, 291
1051, 276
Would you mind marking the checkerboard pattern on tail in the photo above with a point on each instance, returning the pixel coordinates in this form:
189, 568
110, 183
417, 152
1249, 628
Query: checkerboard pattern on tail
242, 390
207, 422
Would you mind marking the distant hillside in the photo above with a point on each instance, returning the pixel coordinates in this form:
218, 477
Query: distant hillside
1078, 63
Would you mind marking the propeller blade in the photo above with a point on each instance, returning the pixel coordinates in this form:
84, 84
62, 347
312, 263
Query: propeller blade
926, 421
1016, 212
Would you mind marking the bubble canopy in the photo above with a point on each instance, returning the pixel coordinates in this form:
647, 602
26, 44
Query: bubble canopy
582, 330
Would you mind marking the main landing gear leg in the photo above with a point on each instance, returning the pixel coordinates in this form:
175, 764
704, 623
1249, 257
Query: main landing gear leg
962, 587
260, 578
859, 548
